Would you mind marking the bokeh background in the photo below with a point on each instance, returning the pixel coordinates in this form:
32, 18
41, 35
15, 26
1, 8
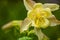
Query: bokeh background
14, 10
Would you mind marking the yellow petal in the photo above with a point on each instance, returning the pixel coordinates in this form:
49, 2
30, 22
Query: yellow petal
41, 12
40, 22
38, 5
45, 24
46, 12
52, 6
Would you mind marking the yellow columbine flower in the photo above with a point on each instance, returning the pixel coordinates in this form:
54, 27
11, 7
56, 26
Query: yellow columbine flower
39, 15
36, 11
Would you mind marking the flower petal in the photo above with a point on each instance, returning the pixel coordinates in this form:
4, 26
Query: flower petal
39, 20
38, 5
53, 21
45, 24
28, 4
42, 23
47, 12
25, 24
52, 6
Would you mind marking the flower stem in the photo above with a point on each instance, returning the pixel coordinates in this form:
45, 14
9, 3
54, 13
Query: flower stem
40, 35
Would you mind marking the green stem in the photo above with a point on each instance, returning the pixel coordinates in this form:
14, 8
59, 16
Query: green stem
40, 35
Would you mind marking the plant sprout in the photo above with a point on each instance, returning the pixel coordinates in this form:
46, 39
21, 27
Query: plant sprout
39, 16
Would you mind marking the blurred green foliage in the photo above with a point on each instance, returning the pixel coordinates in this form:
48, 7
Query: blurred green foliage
15, 10
25, 38
11, 10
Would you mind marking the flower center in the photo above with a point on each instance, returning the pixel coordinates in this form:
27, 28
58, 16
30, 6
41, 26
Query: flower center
39, 17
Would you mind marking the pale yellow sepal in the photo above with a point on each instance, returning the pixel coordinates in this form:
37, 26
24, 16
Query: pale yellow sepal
28, 4
53, 21
52, 6
25, 24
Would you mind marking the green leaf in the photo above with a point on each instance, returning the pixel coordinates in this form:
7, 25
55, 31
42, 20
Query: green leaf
25, 38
